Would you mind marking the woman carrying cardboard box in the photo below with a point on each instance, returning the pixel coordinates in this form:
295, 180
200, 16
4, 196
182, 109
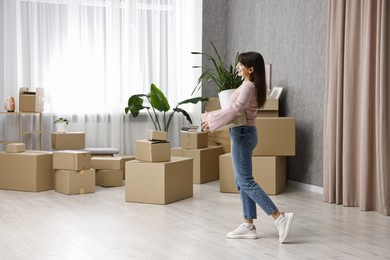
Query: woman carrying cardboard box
250, 96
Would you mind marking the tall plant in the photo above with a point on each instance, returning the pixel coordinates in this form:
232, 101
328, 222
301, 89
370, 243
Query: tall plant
158, 102
224, 76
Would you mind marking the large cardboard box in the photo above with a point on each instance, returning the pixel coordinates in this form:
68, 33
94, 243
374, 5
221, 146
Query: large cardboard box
268, 171
15, 148
154, 135
75, 182
30, 101
72, 160
205, 165
193, 140
160, 182
276, 136
68, 140
108, 163
27, 171
109, 178
152, 151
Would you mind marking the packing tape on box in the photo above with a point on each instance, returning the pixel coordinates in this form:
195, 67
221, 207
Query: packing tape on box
81, 190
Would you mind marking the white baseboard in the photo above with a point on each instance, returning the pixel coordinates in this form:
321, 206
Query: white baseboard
304, 186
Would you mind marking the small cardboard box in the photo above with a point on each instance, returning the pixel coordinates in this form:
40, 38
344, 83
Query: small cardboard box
193, 140
72, 160
68, 140
108, 163
15, 148
152, 151
268, 171
205, 165
159, 183
109, 178
154, 135
75, 182
270, 109
31, 101
276, 136
27, 171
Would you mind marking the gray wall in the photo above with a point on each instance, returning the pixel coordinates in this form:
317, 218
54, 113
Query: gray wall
291, 35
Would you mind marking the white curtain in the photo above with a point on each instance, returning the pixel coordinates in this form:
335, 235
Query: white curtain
90, 56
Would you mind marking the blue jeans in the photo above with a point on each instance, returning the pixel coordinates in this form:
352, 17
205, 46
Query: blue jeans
243, 142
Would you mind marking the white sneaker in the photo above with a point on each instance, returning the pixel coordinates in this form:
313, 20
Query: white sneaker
283, 224
243, 232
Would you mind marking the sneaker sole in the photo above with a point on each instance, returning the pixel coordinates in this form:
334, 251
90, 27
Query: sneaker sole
290, 218
252, 236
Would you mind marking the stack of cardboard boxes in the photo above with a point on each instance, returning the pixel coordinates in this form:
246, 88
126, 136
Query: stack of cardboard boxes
73, 173
195, 145
109, 170
23, 170
156, 177
276, 140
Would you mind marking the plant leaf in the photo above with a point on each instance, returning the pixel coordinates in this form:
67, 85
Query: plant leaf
158, 99
193, 100
179, 110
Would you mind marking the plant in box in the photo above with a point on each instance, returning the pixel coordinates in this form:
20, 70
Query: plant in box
158, 102
61, 124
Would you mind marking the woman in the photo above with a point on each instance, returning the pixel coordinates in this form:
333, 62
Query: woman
250, 96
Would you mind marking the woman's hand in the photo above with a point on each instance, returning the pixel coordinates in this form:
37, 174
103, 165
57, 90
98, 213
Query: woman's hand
205, 124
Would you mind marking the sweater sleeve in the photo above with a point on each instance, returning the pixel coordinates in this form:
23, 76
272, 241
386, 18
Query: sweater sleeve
219, 118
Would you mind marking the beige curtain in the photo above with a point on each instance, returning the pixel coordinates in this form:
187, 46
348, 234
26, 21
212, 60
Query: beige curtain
357, 110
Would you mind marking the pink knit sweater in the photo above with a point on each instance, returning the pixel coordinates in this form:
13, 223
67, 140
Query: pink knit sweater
243, 100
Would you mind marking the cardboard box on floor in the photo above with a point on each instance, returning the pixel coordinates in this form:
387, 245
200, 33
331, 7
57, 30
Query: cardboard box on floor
108, 163
276, 136
152, 151
205, 165
75, 182
159, 182
193, 140
109, 178
126, 158
26, 171
72, 160
268, 171
30, 101
68, 140
15, 148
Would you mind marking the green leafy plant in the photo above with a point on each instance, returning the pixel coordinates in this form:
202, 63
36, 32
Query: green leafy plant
223, 75
158, 102
62, 120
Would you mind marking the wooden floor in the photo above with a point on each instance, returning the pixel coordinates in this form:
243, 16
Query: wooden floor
50, 225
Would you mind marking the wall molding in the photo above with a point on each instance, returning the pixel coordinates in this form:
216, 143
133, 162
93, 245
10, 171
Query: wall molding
304, 186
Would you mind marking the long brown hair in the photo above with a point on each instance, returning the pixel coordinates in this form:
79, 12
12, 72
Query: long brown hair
255, 60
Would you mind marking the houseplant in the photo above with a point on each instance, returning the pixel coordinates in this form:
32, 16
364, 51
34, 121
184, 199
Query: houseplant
159, 102
224, 76
61, 124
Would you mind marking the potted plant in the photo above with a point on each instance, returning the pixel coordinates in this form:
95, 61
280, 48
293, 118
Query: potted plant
224, 76
61, 124
158, 102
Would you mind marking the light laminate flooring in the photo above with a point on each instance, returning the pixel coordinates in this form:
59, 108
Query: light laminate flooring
50, 225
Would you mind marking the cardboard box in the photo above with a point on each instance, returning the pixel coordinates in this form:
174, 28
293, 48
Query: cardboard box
205, 165
152, 151
159, 183
27, 171
68, 140
154, 135
193, 140
108, 163
72, 160
75, 182
268, 171
30, 101
109, 178
125, 159
270, 109
276, 136
15, 148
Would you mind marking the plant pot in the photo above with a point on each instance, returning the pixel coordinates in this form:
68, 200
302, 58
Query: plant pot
224, 97
61, 127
